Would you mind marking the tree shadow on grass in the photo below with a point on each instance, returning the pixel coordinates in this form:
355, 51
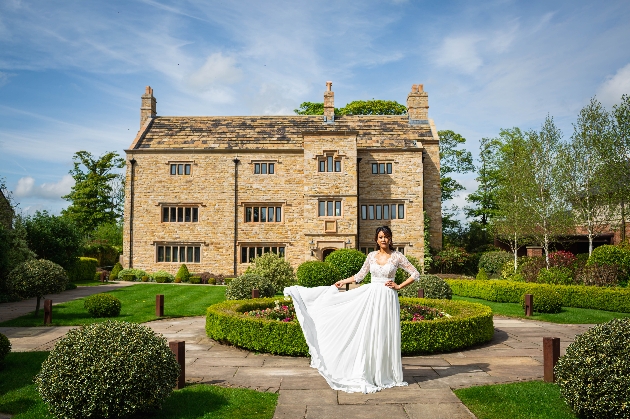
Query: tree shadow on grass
190, 403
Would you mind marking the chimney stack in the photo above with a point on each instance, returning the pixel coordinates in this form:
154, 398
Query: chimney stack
418, 103
147, 110
329, 103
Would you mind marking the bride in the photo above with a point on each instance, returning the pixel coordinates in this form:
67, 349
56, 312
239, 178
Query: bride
354, 337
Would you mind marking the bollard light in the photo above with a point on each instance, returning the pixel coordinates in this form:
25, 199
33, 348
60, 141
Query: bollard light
420, 292
159, 305
529, 305
551, 353
178, 347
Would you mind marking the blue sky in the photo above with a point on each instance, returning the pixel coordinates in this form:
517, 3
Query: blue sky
72, 72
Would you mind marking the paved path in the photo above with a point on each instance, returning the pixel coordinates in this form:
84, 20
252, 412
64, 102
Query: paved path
514, 354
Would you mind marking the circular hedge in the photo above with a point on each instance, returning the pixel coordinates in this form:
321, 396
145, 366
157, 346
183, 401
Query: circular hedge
102, 305
469, 324
315, 274
5, 347
347, 261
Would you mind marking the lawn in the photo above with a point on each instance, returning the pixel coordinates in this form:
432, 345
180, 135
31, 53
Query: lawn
528, 400
91, 283
138, 305
19, 396
568, 315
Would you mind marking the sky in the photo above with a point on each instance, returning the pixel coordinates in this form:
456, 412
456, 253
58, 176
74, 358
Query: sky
72, 72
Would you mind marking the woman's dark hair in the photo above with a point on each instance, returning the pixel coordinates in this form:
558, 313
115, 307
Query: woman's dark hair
388, 233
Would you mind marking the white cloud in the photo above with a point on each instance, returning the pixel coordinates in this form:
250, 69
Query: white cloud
460, 53
611, 90
26, 188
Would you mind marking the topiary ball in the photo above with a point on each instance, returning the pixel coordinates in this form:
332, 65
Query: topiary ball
36, 278
434, 287
347, 261
316, 274
5, 347
594, 374
102, 305
241, 288
546, 299
109, 369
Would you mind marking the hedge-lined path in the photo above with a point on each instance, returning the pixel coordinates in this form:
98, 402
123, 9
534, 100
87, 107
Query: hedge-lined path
514, 354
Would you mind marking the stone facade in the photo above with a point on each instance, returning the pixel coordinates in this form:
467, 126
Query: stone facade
196, 190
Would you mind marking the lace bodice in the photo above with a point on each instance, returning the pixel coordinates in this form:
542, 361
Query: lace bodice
388, 270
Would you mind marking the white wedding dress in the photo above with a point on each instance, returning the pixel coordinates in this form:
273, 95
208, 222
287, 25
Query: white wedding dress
354, 337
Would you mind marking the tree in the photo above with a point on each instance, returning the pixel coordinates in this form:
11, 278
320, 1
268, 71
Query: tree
621, 158
583, 167
54, 238
311, 108
357, 107
37, 278
98, 194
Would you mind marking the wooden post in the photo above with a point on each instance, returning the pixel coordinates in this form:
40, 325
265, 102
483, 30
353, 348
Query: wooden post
420, 292
551, 353
159, 305
47, 311
102, 276
348, 286
178, 347
529, 305
255, 293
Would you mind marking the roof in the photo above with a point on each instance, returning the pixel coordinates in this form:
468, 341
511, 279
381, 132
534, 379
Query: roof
253, 132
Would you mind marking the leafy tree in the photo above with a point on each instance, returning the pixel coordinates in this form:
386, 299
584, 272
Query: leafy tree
311, 108
37, 278
54, 238
98, 194
357, 107
453, 160
109, 233
621, 158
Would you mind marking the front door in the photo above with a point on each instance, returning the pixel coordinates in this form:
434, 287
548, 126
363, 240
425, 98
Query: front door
326, 252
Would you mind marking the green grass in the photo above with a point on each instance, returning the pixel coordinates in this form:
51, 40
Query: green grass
528, 400
19, 396
91, 283
568, 315
138, 305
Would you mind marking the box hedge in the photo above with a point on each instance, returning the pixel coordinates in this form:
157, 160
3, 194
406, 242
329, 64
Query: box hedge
83, 269
468, 325
578, 296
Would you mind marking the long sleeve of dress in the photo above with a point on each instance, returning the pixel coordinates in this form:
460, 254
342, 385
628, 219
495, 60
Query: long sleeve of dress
402, 262
365, 269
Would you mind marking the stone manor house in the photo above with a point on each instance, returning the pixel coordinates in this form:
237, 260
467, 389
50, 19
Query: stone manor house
214, 192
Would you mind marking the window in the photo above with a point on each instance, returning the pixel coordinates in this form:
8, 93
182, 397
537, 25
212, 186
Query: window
180, 214
383, 212
179, 253
248, 253
264, 168
381, 168
180, 168
329, 209
329, 164
260, 214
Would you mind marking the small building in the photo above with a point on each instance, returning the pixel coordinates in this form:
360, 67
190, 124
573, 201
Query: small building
214, 192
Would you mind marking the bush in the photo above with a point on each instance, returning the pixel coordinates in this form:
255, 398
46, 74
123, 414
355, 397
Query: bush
166, 277
346, 261
183, 273
482, 275
555, 276
241, 288
492, 262
531, 267
197, 280
434, 287
273, 267
5, 347
137, 274
599, 275
562, 259
37, 278
105, 254
315, 273
115, 271
109, 369
145, 278
469, 324
70, 286
102, 305
546, 300
612, 255
594, 375
451, 260
83, 269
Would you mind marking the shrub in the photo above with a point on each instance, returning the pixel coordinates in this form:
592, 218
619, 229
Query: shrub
482, 275
315, 273
105, 254
451, 259
5, 347
115, 271
166, 277
36, 278
197, 280
70, 286
97, 276
274, 268
434, 287
492, 262
594, 374
183, 273
562, 259
241, 288
145, 278
83, 269
599, 275
347, 261
546, 299
469, 324
128, 277
102, 305
178, 280
531, 267
109, 369
136, 274
555, 276
612, 255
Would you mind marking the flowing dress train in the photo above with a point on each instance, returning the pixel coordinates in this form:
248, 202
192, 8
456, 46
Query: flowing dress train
354, 337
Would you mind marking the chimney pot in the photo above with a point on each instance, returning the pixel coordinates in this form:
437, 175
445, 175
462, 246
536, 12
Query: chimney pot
148, 107
418, 103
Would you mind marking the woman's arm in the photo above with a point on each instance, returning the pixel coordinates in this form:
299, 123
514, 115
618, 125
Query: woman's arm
358, 277
403, 262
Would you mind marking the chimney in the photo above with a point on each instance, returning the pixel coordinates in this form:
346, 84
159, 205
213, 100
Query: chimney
418, 103
329, 103
147, 110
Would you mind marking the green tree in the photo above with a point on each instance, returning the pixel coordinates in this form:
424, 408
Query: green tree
98, 194
53, 238
311, 108
36, 278
357, 107
621, 158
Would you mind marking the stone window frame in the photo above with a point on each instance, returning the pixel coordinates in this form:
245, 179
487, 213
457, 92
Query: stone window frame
194, 255
386, 166
266, 206
376, 210
330, 203
174, 211
268, 162
249, 251
330, 161
174, 165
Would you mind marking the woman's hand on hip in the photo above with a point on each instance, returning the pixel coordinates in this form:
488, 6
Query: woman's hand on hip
339, 284
392, 285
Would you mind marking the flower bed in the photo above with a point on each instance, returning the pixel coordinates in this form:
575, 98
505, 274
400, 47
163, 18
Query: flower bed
261, 325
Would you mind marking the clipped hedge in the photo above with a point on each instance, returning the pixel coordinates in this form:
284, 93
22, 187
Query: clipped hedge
316, 274
83, 269
102, 305
578, 296
136, 274
5, 347
469, 324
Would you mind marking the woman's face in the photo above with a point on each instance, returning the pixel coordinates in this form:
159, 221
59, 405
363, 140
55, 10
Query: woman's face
382, 240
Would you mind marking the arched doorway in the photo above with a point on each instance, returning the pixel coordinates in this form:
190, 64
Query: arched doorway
326, 252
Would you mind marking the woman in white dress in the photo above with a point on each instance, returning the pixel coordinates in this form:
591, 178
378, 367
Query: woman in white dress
354, 337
